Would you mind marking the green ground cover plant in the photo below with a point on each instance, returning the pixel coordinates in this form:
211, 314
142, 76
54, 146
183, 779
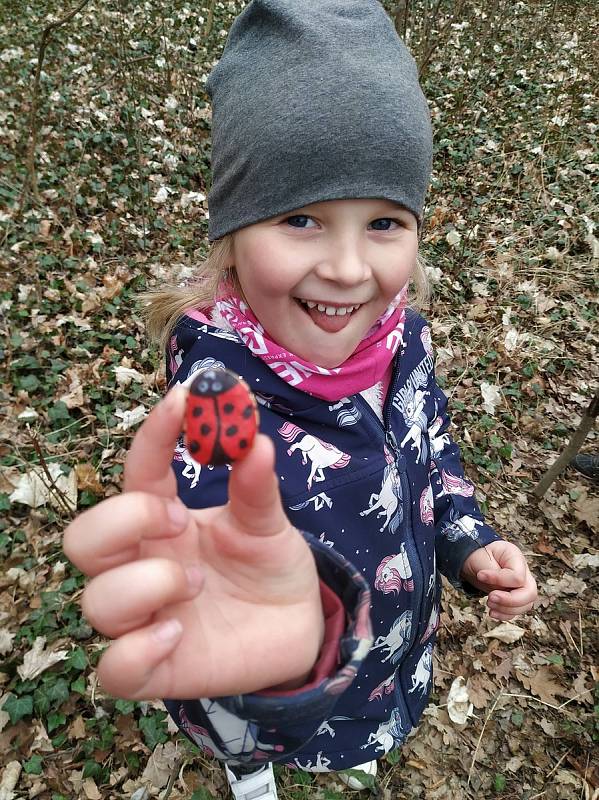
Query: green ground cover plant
104, 161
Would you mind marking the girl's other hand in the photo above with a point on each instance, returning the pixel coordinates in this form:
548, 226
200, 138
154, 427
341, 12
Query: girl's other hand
205, 603
500, 569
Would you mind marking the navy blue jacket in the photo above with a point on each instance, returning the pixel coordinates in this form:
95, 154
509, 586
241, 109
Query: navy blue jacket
385, 507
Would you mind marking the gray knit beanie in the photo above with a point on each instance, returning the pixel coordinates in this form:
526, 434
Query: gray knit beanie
314, 100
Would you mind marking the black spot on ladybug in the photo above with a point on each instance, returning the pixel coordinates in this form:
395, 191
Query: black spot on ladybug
247, 412
231, 430
243, 443
198, 411
205, 429
228, 408
194, 446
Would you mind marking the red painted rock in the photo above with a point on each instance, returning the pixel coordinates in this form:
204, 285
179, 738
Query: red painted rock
221, 417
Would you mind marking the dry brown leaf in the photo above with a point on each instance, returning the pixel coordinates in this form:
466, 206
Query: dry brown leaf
74, 397
91, 790
160, 764
10, 778
41, 742
88, 479
6, 638
112, 287
567, 584
543, 684
37, 659
586, 509
506, 632
480, 690
44, 228
92, 302
514, 763
77, 728
548, 727
34, 488
582, 692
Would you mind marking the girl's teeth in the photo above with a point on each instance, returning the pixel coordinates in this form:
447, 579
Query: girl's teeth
330, 311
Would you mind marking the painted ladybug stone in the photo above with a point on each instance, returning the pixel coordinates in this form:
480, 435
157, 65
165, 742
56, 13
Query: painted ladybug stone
221, 417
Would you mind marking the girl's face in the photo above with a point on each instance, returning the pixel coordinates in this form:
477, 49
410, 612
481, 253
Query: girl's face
319, 277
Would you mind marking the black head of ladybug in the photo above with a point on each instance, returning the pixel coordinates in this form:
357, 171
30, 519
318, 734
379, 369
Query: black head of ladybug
211, 382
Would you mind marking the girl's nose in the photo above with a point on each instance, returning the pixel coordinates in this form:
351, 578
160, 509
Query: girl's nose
344, 265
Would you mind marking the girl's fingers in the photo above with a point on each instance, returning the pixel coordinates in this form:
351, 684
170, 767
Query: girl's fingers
518, 597
109, 534
148, 464
502, 578
127, 597
254, 497
506, 616
136, 666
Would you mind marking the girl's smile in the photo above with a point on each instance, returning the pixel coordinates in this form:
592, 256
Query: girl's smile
319, 277
331, 317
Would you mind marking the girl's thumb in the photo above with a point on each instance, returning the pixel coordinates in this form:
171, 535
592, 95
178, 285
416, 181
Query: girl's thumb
254, 497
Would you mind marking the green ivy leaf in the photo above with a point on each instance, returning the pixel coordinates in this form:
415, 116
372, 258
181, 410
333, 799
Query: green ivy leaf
18, 707
33, 766
153, 728
125, 706
78, 685
54, 721
77, 659
499, 782
202, 794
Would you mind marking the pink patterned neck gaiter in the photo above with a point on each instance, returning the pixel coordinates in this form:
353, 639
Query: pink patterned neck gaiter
366, 366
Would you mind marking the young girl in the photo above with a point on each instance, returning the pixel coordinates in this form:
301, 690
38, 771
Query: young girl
290, 603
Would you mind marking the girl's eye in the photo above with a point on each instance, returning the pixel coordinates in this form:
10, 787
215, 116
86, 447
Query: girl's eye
384, 224
299, 221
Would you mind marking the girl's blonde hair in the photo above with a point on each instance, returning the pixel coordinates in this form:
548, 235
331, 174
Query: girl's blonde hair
165, 307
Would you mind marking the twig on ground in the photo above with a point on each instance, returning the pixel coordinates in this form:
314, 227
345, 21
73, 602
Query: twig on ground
489, 715
173, 777
61, 496
525, 697
571, 449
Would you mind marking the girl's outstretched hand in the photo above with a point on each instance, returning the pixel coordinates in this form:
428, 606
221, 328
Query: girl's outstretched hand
501, 569
205, 603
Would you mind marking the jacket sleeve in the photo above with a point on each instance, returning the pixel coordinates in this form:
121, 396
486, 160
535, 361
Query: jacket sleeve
459, 525
250, 729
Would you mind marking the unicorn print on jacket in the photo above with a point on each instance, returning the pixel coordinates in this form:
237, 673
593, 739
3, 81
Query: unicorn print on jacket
321, 454
389, 497
397, 640
394, 573
423, 672
461, 526
415, 418
388, 735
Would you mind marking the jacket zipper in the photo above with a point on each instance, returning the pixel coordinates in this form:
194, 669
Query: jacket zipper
409, 540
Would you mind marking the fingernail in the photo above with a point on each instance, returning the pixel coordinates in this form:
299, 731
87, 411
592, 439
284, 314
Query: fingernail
178, 514
168, 631
195, 577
